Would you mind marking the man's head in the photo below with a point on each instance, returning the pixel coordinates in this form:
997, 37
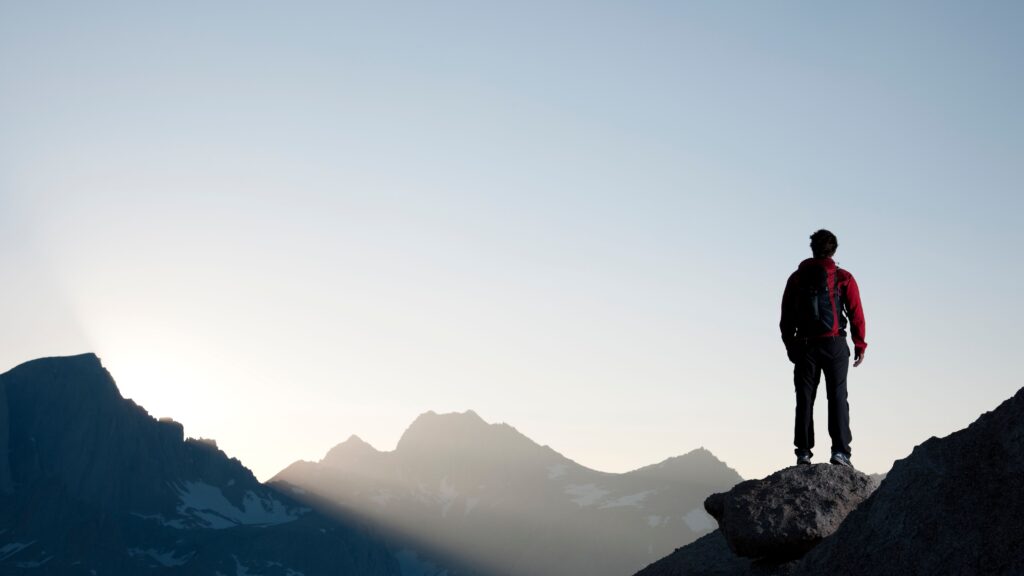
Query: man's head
823, 244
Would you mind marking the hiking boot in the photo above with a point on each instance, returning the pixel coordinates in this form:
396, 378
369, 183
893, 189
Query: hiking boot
840, 459
803, 458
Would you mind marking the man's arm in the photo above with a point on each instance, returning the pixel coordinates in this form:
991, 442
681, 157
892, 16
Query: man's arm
788, 321
856, 314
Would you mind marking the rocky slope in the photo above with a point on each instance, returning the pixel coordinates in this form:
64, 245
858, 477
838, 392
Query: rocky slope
91, 484
482, 498
952, 507
707, 556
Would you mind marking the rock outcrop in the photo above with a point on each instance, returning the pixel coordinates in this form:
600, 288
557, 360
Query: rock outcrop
707, 556
954, 506
766, 525
788, 513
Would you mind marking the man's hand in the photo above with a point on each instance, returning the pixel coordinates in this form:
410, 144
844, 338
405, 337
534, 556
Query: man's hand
858, 358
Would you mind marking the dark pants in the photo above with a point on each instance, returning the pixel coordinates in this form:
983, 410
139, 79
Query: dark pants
811, 357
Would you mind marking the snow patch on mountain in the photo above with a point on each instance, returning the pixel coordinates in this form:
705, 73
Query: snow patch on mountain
447, 494
287, 571
470, 504
159, 518
33, 563
700, 521
12, 548
586, 494
206, 506
633, 500
410, 564
654, 521
382, 496
557, 470
241, 569
166, 559
421, 493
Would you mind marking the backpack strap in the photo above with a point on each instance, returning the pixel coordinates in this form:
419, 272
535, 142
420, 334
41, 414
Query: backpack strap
840, 303
838, 294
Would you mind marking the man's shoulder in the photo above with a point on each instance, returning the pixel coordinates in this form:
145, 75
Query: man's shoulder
843, 274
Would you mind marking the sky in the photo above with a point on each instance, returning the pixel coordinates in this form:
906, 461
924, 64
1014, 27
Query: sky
282, 224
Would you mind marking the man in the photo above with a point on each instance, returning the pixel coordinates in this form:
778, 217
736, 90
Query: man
814, 331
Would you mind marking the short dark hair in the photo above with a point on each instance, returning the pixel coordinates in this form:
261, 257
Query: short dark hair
824, 244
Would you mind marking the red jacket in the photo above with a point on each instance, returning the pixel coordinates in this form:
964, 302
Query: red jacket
850, 294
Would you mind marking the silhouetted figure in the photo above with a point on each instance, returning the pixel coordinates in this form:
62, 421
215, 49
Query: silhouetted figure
818, 299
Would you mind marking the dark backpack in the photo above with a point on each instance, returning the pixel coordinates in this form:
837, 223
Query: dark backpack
814, 302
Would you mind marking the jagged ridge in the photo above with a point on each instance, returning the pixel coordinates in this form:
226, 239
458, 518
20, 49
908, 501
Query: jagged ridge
90, 482
483, 498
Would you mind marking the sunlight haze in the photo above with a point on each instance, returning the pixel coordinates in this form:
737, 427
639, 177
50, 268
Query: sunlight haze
284, 224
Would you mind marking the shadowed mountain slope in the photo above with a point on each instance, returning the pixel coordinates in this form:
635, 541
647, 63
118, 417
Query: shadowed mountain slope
91, 484
482, 498
707, 556
952, 507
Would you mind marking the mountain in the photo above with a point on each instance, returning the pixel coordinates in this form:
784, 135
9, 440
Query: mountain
483, 499
91, 484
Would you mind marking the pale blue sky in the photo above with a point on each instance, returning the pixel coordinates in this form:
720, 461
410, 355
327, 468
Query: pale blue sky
285, 223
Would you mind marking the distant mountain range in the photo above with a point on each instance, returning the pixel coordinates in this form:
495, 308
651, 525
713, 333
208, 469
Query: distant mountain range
483, 499
91, 485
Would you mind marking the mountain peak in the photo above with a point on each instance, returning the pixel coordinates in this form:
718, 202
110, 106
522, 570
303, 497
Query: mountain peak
447, 423
452, 431
354, 448
71, 379
468, 416
356, 440
87, 360
699, 466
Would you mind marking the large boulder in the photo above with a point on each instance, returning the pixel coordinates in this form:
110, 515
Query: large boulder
954, 506
788, 513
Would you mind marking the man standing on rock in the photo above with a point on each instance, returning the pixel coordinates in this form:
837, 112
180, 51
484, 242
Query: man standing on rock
814, 330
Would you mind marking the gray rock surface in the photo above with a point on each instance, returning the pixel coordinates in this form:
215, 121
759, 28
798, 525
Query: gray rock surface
707, 556
788, 513
711, 556
954, 506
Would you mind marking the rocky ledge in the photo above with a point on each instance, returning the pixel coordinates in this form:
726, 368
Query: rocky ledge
952, 507
766, 525
786, 514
